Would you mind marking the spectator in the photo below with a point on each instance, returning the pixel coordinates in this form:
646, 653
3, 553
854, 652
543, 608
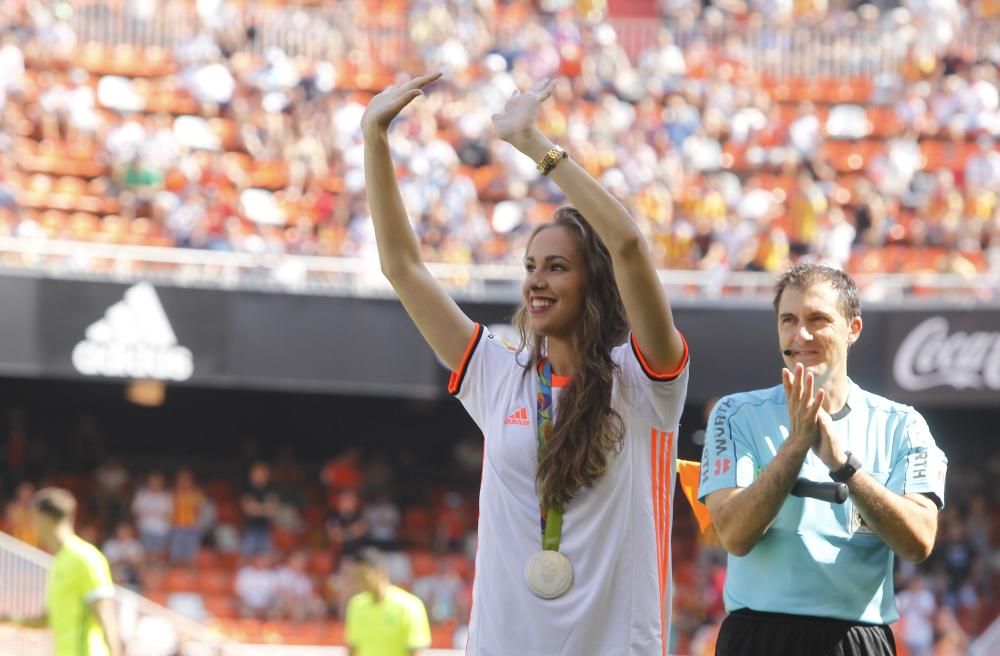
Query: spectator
440, 591
983, 168
188, 501
450, 524
17, 516
342, 473
346, 527
111, 492
383, 517
125, 555
295, 596
260, 503
16, 451
917, 608
257, 586
153, 507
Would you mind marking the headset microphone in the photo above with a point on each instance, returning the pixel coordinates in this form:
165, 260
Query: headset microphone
786, 352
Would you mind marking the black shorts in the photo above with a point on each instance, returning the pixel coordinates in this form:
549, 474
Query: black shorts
750, 633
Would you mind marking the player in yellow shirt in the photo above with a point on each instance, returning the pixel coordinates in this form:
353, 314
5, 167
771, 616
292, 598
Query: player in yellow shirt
79, 602
384, 620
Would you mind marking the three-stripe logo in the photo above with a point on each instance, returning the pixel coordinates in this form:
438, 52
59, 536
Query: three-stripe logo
134, 339
519, 418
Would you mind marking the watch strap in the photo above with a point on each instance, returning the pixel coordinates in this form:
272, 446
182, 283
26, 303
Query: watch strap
550, 159
851, 467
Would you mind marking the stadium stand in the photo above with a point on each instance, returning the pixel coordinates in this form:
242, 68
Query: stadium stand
224, 142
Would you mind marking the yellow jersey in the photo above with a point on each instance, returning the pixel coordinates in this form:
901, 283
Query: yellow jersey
79, 576
391, 627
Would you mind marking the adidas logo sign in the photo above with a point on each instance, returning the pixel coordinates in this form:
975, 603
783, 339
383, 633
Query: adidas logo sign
519, 418
134, 340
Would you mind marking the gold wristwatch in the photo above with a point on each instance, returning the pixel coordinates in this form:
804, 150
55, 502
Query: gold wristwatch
551, 158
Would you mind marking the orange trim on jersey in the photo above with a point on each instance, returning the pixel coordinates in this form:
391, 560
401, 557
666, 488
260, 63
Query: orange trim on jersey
560, 381
557, 380
455, 381
646, 369
661, 453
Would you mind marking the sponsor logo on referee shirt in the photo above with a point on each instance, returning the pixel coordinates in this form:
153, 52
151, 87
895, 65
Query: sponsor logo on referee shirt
932, 356
134, 339
858, 524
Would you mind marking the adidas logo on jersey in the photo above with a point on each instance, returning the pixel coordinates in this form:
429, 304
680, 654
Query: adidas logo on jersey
134, 339
520, 417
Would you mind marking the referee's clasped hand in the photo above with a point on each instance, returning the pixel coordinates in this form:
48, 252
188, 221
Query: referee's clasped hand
804, 405
828, 447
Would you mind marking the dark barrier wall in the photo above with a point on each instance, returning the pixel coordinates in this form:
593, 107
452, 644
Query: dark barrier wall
83, 329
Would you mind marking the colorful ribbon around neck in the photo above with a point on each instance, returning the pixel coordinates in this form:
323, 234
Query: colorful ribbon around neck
551, 517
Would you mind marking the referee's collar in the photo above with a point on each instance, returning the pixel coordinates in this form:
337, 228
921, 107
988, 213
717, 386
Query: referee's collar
846, 410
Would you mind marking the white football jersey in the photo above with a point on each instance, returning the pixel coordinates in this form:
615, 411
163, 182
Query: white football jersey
615, 533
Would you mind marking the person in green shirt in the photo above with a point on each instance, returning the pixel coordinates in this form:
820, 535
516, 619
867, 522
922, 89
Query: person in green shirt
383, 620
79, 601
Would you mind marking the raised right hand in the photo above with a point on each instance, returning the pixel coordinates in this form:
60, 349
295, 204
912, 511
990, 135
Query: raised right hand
804, 405
386, 106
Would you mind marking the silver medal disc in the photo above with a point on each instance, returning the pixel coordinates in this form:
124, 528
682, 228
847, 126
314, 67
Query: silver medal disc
549, 574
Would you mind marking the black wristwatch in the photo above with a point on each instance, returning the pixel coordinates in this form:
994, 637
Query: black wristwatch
844, 474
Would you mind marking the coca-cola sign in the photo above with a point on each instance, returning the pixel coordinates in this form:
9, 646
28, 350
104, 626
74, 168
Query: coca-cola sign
932, 355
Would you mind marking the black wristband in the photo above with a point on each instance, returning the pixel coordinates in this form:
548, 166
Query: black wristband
852, 466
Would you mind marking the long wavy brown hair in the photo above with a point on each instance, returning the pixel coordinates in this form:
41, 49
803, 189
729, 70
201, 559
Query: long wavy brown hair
587, 429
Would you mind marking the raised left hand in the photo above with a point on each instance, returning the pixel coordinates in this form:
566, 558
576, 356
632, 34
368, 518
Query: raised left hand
517, 120
828, 446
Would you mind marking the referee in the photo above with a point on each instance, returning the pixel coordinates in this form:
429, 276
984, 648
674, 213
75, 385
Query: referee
807, 576
79, 601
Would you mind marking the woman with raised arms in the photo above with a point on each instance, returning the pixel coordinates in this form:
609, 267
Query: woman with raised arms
580, 419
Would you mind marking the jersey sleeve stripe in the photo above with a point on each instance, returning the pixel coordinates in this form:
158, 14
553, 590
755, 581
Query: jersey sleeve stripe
457, 377
652, 374
655, 476
661, 453
666, 449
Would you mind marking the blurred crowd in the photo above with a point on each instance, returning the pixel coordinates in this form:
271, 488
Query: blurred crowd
274, 538
232, 145
279, 545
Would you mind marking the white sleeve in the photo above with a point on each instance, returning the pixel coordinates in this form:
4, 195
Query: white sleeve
656, 397
486, 368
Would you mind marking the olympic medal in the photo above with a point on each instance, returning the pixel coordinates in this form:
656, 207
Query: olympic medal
549, 574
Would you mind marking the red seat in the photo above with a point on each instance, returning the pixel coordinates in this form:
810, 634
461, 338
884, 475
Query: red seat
179, 579
221, 606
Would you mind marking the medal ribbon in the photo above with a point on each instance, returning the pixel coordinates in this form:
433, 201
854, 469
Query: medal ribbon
551, 517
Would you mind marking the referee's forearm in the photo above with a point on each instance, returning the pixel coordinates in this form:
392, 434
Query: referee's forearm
745, 516
907, 524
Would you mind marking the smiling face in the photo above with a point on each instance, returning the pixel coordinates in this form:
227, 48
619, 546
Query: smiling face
554, 283
813, 327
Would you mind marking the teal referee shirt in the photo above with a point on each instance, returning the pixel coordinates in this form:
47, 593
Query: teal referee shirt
818, 558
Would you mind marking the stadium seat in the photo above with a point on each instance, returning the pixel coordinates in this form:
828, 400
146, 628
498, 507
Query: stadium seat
443, 635
321, 562
179, 579
215, 581
423, 563
221, 606
207, 559
416, 526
